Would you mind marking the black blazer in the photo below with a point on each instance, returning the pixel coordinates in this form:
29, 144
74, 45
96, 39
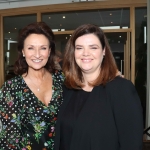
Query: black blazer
111, 119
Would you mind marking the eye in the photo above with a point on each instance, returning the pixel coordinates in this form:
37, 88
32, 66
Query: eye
94, 47
43, 48
78, 48
30, 48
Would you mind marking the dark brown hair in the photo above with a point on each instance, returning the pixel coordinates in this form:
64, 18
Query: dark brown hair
73, 74
21, 65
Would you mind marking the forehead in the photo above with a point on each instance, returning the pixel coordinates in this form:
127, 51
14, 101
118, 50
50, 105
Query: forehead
36, 39
88, 38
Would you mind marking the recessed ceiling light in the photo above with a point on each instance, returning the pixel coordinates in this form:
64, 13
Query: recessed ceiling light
110, 14
64, 17
49, 17
66, 38
15, 28
10, 38
8, 32
111, 22
70, 34
60, 24
120, 36
118, 41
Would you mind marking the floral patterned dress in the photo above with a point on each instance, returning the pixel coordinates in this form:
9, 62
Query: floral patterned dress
25, 122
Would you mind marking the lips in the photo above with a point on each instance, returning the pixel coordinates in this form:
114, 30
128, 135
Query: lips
86, 60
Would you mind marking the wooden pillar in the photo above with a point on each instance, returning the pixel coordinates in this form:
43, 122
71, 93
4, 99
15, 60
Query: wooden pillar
1, 52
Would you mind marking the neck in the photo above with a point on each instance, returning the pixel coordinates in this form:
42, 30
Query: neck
37, 74
90, 77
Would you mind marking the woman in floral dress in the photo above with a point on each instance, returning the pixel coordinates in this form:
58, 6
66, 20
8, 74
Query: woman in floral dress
29, 102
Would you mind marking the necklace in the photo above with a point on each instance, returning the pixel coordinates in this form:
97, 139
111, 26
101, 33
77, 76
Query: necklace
38, 87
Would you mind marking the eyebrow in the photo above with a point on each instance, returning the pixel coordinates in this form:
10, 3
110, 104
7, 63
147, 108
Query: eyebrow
89, 45
94, 45
34, 45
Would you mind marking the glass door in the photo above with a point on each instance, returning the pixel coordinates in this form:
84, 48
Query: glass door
120, 46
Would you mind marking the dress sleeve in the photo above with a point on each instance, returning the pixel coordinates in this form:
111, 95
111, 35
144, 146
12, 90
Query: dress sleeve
10, 125
128, 115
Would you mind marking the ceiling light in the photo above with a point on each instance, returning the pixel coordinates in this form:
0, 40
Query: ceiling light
110, 14
15, 28
111, 22
49, 17
124, 27
118, 41
10, 38
60, 24
8, 32
70, 35
120, 36
54, 30
64, 17
110, 27
66, 38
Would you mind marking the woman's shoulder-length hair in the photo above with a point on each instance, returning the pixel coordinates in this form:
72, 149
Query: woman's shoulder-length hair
73, 74
21, 66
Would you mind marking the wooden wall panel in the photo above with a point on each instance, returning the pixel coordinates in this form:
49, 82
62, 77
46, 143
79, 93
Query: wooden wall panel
1, 52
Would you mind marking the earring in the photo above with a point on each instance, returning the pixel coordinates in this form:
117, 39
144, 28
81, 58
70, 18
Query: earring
23, 55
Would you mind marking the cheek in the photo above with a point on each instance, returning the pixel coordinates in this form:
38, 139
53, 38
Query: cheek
46, 54
98, 56
77, 54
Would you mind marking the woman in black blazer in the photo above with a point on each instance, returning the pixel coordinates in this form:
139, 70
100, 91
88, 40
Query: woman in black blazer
100, 111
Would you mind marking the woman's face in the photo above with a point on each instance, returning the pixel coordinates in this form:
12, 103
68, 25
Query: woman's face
89, 53
36, 51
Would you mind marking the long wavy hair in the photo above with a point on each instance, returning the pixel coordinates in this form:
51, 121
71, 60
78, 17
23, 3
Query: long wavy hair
21, 65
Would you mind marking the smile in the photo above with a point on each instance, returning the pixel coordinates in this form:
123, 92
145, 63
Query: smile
37, 60
86, 60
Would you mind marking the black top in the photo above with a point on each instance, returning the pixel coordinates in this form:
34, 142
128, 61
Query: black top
111, 119
71, 113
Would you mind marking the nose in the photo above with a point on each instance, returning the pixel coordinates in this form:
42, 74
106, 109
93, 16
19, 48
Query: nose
86, 52
37, 53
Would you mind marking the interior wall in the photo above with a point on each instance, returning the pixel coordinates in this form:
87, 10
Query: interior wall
18, 4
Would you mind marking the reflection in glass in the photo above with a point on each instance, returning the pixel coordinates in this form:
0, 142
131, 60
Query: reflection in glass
103, 18
141, 55
12, 26
117, 42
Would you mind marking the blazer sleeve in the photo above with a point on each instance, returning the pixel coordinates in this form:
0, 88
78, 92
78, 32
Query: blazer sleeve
127, 113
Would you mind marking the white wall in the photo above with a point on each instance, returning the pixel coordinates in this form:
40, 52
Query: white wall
28, 3
15, 4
